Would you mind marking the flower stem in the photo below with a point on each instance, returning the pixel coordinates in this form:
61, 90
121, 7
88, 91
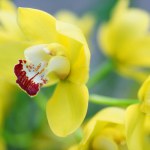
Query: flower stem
100, 73
103, 100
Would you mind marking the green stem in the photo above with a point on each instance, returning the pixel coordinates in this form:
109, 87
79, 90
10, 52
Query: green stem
100, 73
103, 100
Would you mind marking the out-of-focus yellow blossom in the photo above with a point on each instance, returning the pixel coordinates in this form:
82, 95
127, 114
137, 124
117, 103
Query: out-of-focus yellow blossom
138, 121
144, 96
10, 35
59, 55
105, 131
8, 24
11, 39
126, 40
85, 22
137, 128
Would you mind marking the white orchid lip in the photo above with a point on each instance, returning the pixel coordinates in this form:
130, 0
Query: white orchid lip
33, 72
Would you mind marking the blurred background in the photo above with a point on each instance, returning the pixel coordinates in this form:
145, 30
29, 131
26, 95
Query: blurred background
25, 125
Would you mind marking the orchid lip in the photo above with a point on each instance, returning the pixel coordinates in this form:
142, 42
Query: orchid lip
30, 77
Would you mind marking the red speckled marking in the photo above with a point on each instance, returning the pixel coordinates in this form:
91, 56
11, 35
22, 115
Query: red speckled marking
24, 82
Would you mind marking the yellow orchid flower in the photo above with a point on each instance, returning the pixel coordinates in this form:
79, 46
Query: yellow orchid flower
138, 120
126, 40
85, 22
59, 55
105, 131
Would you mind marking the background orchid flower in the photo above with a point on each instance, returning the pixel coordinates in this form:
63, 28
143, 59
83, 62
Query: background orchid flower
138, 120
104, 131
144, 96
137, 128
10, 35
125, 39
85, 22
59, 55
12, 41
